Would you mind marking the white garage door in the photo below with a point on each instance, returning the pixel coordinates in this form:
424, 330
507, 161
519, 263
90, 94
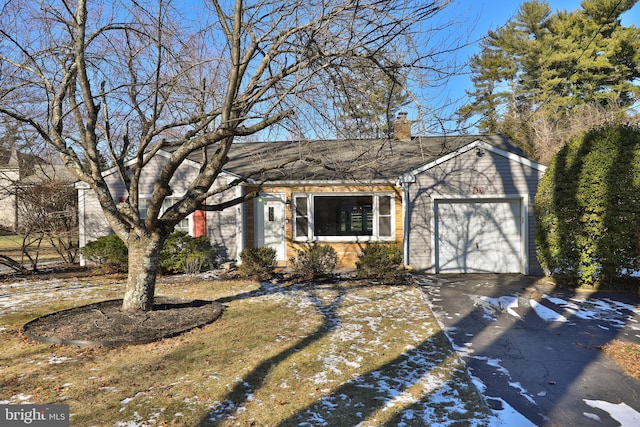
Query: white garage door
475, 236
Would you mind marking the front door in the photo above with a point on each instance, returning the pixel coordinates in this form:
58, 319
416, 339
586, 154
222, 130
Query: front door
270, 225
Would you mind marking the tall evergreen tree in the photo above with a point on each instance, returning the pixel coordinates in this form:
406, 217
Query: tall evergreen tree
543, 64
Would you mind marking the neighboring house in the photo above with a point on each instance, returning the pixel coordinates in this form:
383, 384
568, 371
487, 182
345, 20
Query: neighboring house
19, 172
454, 203
9, 175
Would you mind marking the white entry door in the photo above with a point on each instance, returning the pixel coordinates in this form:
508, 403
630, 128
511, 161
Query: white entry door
474, 236
271, 224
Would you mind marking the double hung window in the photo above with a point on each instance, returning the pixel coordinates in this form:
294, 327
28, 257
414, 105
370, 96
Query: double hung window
183, 225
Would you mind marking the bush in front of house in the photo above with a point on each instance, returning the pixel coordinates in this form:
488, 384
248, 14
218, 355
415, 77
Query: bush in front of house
314, 262
381, 262
588, 208
182, 253
108, 251
257, 263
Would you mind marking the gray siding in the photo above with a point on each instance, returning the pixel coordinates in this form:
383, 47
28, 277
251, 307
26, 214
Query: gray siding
468, 176
92, 221
8, 177
221, 226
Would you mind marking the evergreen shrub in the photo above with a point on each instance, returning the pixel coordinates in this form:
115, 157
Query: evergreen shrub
182, 253
108, 251
588, 208
258, 263
314, 262
382, 262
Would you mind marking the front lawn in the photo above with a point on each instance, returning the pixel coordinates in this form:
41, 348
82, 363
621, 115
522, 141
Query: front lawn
11, 246
281, 355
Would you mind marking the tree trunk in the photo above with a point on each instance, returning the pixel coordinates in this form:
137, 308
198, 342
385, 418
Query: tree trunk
144, 250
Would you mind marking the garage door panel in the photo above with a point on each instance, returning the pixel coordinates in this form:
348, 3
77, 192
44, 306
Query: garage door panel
478, 236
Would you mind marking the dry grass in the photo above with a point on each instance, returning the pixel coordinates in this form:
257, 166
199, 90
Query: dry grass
11, 246
626, 355
278, 356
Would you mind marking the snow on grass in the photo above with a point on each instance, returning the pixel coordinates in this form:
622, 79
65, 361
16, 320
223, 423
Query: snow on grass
425, 382
24, 295
17, 398
58, 360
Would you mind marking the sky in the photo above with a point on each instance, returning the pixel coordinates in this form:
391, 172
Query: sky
485, 15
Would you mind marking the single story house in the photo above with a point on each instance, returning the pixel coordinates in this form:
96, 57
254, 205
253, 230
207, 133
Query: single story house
453, 203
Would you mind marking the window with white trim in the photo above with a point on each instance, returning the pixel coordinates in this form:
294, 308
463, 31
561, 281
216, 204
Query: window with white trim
183, 225
343, 217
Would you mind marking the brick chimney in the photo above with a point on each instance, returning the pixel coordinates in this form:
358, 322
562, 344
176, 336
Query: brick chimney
402, 126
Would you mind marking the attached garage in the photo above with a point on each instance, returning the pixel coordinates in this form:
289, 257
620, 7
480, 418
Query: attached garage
471, 211
477, 236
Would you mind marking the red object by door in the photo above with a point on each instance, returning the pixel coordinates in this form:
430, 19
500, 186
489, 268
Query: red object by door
199, 223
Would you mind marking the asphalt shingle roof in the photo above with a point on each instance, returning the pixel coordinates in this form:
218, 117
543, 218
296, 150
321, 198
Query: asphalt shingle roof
381, 160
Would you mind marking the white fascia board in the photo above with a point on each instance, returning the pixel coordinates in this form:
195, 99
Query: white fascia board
410, 177
320, 183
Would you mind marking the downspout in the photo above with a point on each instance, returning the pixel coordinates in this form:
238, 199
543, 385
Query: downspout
241, 213
404, 182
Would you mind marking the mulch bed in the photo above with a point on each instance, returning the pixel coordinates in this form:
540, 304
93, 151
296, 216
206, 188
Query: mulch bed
104, 324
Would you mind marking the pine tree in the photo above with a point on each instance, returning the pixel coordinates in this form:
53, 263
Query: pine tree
545, 65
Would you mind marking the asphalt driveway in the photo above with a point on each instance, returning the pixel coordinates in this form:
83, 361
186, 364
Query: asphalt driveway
534, 349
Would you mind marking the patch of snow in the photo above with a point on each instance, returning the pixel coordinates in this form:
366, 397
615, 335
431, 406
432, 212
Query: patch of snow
19, 296
546, 313
591, 416
504, 303
508, 417
58, 360
621, 412
617, 313
495, 363
22, 398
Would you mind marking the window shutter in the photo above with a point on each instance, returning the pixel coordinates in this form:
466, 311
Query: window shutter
200, 223
302, 216
384, 216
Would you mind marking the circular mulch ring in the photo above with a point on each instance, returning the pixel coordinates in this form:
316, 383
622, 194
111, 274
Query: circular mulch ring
104, 324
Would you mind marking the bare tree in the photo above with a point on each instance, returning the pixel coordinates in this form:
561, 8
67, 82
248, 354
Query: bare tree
47, 211
125, 79
549, 132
